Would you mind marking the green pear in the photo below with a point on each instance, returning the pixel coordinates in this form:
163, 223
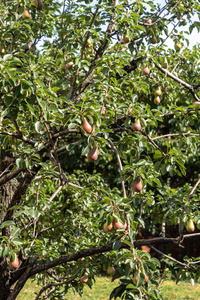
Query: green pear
158, 92
177, 46
196, 105
165, 63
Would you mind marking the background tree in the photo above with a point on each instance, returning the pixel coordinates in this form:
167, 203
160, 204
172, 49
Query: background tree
99, 145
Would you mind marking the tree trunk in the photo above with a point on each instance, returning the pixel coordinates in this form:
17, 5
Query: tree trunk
11, 194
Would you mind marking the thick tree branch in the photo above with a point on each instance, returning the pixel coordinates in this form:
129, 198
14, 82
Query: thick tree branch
10, 176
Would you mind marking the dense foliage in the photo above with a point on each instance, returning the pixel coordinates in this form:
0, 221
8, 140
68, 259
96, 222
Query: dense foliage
99, 132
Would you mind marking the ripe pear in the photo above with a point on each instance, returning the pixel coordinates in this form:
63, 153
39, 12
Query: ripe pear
136, 126
158, 92
190, 226
14, 264
119, 225
70, 65
103, 110
26, 15
154, 40
145, 248
135, 279
148, 21
196, 105
157, 100
137, 186
108, 228
110, 271
177, 46
93, 154
84, 278
146, 71
86, 126
126, 39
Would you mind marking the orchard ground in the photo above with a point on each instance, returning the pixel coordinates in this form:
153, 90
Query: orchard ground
103, 287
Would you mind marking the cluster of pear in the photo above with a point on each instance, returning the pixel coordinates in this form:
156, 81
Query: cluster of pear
93, 154
135, 279
158, 93
115, 224
137, 186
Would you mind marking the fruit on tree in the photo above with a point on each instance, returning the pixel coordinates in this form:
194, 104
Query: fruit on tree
177, 46
110, 271
26, 15
108, 228
154, 40
145, 248
93, 154
146, 278
86, 126
137, 186
62, 66
135, 279
148, 21
165, 63
119, 225
25, 234
178, 15
126, 39
158, 92
70, 65
84, 278
14, 264
190, 226
136, 126
196, 105
146, 71
157, 100
103, 110
89, 43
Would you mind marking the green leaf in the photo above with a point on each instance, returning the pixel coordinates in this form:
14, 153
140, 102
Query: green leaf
116, 245
6, 224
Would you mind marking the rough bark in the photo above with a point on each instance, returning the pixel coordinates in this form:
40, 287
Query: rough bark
11, 194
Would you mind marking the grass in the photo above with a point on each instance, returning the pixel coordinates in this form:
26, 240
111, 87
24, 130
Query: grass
103, 287
180, 291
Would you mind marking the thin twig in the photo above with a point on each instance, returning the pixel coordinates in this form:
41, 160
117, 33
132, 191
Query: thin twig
174, 134
120, 165
153, 143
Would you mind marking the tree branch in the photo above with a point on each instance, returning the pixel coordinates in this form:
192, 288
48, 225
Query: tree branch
175, 78
88, 78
